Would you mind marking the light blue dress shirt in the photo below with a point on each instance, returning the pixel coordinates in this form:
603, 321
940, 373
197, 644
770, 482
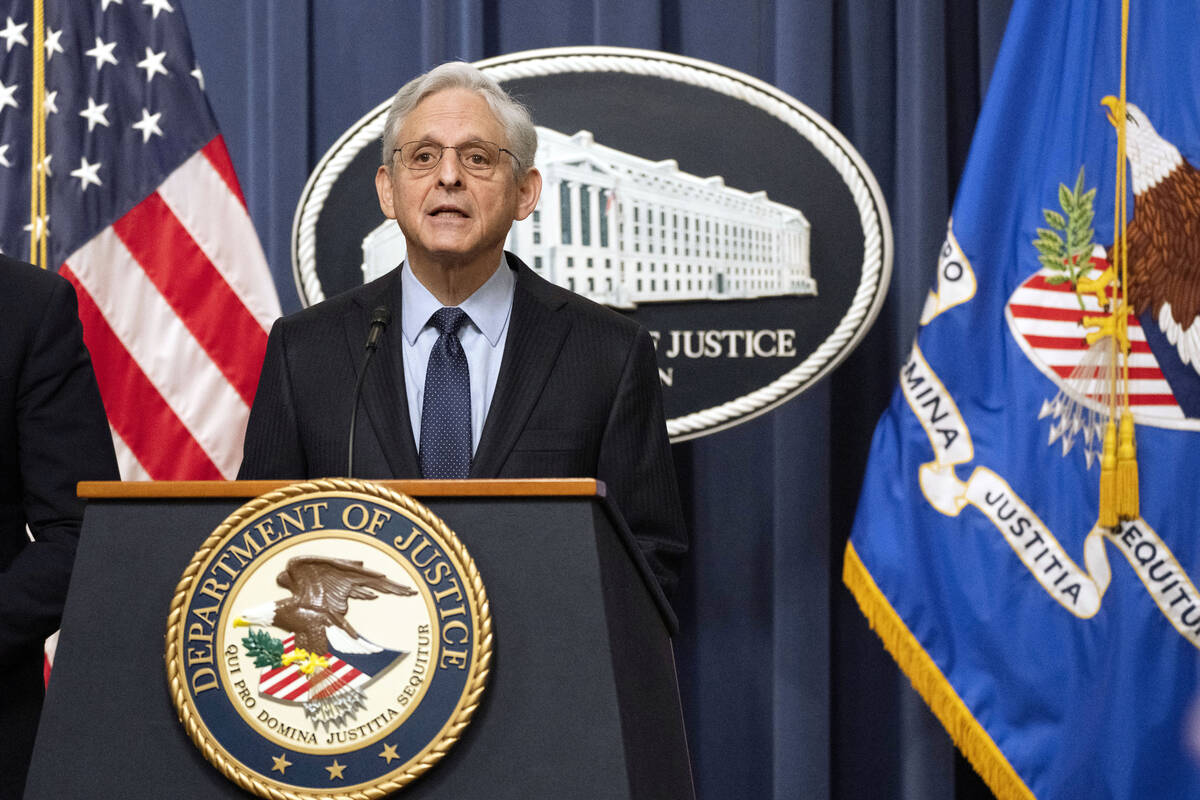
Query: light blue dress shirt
489, 308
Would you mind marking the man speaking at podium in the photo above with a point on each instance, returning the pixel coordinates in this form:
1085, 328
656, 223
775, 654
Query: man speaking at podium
489, 370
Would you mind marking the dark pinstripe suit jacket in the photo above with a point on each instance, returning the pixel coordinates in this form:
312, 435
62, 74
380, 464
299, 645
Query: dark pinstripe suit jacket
577, 396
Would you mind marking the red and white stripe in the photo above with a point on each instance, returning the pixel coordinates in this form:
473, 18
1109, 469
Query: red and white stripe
1048, 323
289, 683
176, 301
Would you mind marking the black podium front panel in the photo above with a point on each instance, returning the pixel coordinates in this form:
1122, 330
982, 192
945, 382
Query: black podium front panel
581, 702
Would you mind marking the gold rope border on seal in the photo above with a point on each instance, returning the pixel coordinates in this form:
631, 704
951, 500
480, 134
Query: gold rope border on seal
434, 751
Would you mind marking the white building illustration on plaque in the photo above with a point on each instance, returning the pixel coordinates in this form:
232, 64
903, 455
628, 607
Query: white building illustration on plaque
623, 230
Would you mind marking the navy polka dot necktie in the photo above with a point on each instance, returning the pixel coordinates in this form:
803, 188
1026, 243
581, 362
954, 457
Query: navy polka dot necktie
446, 410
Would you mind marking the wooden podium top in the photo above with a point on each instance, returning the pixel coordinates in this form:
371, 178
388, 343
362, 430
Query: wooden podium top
533, 487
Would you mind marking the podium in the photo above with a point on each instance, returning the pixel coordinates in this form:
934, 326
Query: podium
582, 700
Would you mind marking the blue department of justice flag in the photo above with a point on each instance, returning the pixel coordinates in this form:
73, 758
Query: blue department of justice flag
1060, 654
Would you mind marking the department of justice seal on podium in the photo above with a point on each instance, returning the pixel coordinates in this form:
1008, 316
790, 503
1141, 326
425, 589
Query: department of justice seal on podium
330, 639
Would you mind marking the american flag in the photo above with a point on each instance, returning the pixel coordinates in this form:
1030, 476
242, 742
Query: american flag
146, 219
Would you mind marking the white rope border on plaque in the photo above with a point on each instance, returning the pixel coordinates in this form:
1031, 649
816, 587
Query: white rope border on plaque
868, 199
366, 131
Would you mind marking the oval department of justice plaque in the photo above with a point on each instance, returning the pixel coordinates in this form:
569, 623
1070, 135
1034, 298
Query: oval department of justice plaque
725, 216
329, 639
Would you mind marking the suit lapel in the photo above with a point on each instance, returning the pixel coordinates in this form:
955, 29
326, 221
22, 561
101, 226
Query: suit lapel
383, 396
535, 335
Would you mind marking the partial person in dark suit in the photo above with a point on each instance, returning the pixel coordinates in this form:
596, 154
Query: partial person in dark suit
53, 433
559, 386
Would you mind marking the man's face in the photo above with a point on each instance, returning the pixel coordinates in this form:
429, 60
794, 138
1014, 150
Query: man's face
451, 216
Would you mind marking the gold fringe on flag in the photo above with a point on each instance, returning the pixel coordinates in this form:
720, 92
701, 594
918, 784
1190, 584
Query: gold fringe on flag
968, 735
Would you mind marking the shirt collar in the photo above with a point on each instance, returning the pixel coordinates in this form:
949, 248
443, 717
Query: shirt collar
488, 307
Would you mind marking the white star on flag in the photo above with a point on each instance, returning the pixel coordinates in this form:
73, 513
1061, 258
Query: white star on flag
52, 44
43, 222
104, 4
7, 95
13, 34
50, 103
157, 6
95, 115
199, 76
103, 53
148, 125
153, 64
4, 162
87, 173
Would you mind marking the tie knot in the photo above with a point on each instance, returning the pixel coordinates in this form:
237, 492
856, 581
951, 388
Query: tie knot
448, 320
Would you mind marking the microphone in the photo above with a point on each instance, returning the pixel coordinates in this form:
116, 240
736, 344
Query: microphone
380, 319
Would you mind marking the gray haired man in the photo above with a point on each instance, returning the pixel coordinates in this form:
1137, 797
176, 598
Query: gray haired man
492, 372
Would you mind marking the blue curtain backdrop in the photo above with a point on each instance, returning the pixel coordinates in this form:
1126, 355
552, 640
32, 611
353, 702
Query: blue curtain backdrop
786, 691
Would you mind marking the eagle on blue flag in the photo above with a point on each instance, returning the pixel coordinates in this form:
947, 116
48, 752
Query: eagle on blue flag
1059, 646
1164, 253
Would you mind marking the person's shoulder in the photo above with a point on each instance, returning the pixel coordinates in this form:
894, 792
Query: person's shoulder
21, 279
29, 294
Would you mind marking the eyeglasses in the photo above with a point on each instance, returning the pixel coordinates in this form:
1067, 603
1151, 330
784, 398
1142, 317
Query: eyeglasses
478, 157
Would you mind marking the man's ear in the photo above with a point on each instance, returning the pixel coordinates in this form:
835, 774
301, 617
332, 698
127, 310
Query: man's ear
529, 189
383, 187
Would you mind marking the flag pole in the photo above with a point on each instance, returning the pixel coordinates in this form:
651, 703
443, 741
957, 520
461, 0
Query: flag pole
37, 174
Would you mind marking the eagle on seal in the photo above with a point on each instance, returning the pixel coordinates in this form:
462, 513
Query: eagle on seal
1164, 252
316, 611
